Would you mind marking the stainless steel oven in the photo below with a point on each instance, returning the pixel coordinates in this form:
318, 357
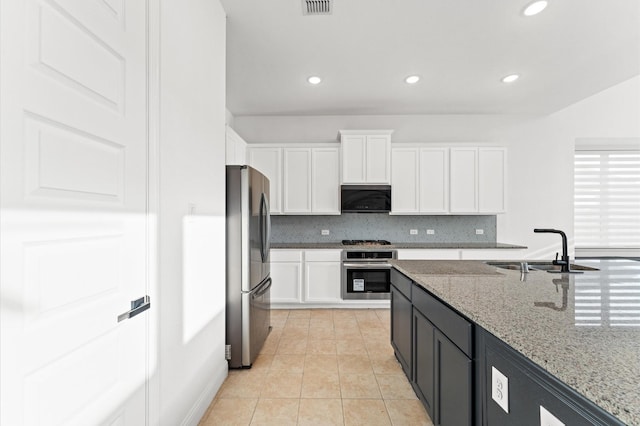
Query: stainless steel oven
366, 274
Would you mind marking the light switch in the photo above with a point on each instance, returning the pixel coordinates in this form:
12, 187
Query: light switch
548, 419
500, 389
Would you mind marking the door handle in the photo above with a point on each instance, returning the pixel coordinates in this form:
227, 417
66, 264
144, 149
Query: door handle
137, 306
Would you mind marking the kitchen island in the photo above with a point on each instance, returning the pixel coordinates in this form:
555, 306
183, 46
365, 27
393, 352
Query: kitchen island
581, 329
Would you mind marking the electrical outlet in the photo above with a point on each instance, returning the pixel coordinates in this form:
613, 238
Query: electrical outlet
413, 232
325, 232
548, 419
430, 232
479, 231
500, 389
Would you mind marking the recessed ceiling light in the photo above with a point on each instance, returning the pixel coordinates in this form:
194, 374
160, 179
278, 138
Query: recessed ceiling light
535, 8
412, 79
510, 78
314, 79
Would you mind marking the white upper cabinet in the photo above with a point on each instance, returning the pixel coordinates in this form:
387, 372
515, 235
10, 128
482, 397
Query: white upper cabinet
420, 180
463, 191
478, 180
366, 156
405, 180
448, 180
297, 180
492, 180
325, 181
236, 148
434, 180
310, 182
268, 160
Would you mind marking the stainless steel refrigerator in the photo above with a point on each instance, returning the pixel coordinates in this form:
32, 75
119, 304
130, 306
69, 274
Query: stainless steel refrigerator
248, 273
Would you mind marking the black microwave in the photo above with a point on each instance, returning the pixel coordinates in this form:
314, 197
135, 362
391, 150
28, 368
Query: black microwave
366, 198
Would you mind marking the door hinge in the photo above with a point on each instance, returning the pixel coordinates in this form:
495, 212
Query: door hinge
227, 352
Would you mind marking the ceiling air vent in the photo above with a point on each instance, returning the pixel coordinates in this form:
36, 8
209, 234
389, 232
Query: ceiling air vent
316, 7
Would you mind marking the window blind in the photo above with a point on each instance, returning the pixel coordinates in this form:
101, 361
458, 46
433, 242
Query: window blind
610, 298
607, 199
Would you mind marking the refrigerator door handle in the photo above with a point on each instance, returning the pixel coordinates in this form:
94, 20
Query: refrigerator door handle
262, 289
265, 228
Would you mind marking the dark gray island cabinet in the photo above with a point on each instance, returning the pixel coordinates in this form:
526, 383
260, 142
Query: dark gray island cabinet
450, 360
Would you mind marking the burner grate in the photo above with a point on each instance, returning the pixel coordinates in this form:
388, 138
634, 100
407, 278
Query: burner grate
365, 242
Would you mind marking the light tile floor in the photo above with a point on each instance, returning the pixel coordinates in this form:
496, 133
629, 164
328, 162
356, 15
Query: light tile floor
321, 367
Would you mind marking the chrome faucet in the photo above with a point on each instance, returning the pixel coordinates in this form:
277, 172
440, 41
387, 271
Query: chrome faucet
564, 262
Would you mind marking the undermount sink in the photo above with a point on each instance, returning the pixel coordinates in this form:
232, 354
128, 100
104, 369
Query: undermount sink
538, 266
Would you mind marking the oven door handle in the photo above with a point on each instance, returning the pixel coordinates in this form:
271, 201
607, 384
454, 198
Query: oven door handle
367, 265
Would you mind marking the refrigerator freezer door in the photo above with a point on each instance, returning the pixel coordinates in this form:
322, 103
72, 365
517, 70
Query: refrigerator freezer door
256, 321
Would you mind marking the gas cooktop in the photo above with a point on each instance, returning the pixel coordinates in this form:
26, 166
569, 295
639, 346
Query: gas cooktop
365, 242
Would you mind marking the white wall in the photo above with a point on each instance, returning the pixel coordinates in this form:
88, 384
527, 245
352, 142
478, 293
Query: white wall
192, 208
540, 158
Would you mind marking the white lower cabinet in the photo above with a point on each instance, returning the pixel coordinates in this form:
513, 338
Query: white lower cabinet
305, 277
286, 276
322, 276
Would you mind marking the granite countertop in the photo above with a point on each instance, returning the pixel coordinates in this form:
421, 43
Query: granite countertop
339, 245
571, 325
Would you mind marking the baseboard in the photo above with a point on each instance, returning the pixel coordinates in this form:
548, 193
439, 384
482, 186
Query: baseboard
199, 408
359, 304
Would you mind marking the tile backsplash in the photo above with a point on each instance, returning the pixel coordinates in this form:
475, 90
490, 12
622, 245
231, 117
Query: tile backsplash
382, 226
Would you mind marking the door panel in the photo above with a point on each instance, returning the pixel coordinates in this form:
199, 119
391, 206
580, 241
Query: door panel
73, 215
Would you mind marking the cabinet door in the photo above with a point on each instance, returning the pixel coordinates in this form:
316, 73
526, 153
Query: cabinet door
491, 180
268, 162
453, 383
463, 180
531, 387
236, 148
353, 158
401, 334
322, 282
287, 279
424, 361
325, 181
296, 186
378, 161
434, 180
404, 180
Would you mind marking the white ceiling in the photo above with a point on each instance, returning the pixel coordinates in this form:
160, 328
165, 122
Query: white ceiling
460, 48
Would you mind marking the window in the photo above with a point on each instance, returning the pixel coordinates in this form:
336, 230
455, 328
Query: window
607, 200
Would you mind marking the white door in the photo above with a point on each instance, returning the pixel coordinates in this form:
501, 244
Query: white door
73, 213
